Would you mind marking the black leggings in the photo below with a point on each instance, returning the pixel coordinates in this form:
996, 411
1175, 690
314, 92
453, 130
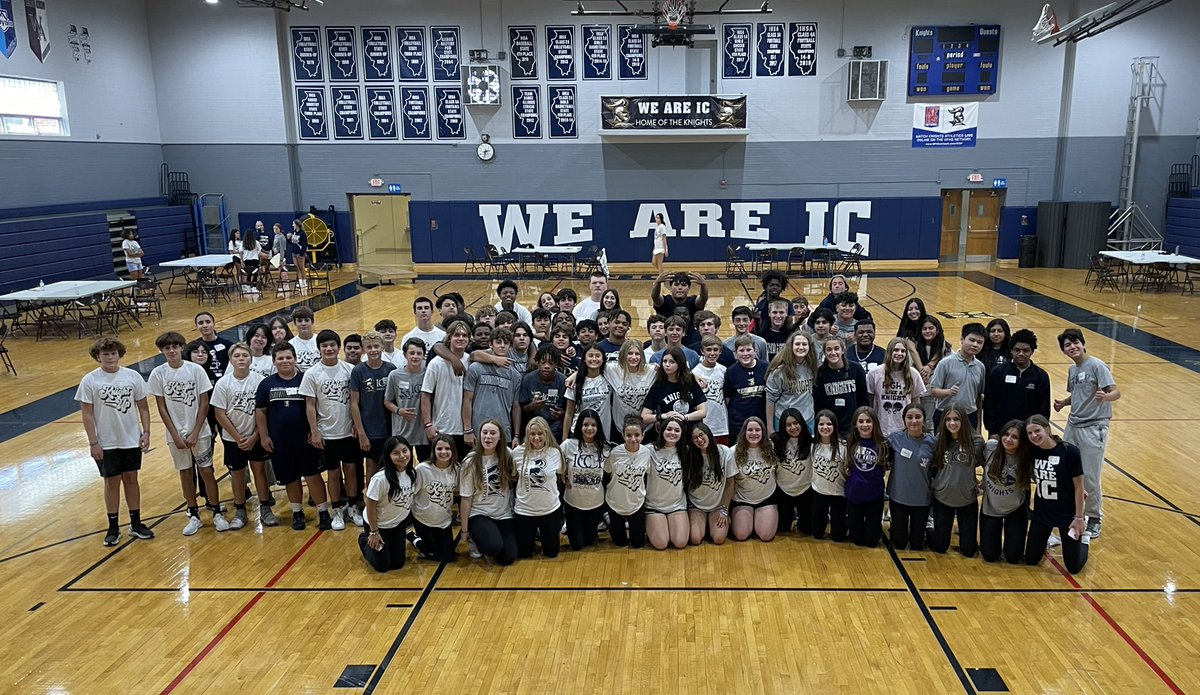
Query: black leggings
829, 510
495, 538
866, 522
1013, 527
943, 526
637, 528
438, 542
582, 525
795, 510
1075, 552
908, 526
548, 526
392, 555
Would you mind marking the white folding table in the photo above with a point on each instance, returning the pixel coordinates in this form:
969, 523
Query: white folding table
47, 304
568, 253
212, 260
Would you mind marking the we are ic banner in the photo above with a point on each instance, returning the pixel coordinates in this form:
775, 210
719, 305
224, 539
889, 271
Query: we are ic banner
945, 125
672, 112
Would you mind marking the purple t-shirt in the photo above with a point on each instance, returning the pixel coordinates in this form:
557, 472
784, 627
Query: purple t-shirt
865, 482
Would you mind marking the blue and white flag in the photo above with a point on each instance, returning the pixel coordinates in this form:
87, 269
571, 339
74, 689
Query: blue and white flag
414, 113
347, 113
377, 54
410, 44
451, 121
343, 55
597, 51
945, 125
310, 113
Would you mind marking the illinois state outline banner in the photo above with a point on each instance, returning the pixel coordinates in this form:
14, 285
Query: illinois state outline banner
697, 112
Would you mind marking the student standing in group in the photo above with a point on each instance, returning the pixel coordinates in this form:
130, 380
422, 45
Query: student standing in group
588, 389
279, 249
116, 419
133, 255
261, 341
680, 286
775, 326
352, 349
218, 347
754, 507
659, 255
893, 386
566, 299
958, 380
666, 501
437, 483
867, 457
560, 338
181, 391
865, 353
656, 328
233, 400
297, 252
386, 328
675, 394
840, 387
618, 330
712, 375
955, 491
326, 391
1058, 502
485, 484
305, 341
541, 326
793, 444
773, 284
909, 494
910, 325
537, 509
821, 329
543, 391
583, 455
588, 308
1016, 389
1092, 392
838, 285
1004, 515
828, 459
283, 431
708, 476
548, 301
707, 325
846, 319
281, 332
447, 307
931, 347
745, 386
368, 391
442, 391
790, 381
507, 292
625, 492
402, 397
425, 329
743, 319
630, 380
490, 392
676, 329
997, 348
389, 503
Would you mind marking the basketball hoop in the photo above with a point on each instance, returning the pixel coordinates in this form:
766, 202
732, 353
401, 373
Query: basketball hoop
673, 13
1047, 25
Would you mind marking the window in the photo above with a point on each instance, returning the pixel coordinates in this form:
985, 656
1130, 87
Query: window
32, 107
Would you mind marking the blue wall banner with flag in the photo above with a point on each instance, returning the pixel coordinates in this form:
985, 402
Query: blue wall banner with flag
447, 53
945, 125
450, 114
310, 113
381, 113
597, 51
414, 113
347, 113
377, 54
522, 53
632, 49
343, 54
8, 29
410, 44
736, 59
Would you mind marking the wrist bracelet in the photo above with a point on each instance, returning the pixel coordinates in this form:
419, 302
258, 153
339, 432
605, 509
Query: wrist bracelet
428, 424
93, 443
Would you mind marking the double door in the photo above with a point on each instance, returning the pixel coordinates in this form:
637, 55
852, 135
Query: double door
970, 224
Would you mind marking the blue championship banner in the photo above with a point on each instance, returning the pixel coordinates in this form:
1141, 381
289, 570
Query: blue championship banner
562, 111
347, 113
447, 53
802, 49
736, 59
522, 52
414, 113
560, 53
377, 54
381, 113
343, 55
527, 112
310, 113
410, 44
306, 54
632, 50
450, 116
8, 29
699, 112
597, 51
770, 50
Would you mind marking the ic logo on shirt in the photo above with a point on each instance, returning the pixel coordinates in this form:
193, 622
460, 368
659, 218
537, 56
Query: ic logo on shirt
118, 397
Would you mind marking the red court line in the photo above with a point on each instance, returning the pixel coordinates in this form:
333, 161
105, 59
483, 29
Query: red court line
1118, 629
237, 618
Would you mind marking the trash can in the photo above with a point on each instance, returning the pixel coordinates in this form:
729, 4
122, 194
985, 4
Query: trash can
1027, 258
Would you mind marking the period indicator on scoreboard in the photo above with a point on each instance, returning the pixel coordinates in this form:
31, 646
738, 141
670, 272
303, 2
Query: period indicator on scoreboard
952, 61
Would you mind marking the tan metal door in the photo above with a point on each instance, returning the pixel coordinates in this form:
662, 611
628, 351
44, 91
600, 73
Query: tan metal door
952, 218
983, 224
382, 232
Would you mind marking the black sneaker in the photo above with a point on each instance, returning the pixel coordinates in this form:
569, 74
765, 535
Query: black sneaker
141, 531
298, 521
324, 521
112, 537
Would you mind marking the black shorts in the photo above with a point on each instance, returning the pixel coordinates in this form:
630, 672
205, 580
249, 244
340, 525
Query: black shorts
118, 461
340, 451
290, 465
769, 502
377, 449
236, 459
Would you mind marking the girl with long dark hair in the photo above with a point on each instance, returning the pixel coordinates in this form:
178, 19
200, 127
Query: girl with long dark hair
1058, 497
1004, 515
437, 482
666, 501
867, 457
793, 443
675, 394
389, 501
908, 485
708, 478
583, 454
959, 452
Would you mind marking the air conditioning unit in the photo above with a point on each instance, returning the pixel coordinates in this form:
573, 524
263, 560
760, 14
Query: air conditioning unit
868, 80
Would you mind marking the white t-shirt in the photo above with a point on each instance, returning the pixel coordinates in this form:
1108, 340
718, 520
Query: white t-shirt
447, 389
629, 390
263, 365
390, 513
794, 474
707, 496
585, 473
587, 309
434, 335
490, 500
307, 353
664, 482
660, 238
537, 480
131, 246
755, 478
435, 494
716, 415
626, 491
597, 395
236, 397
395, 357
251, 254
827, 476
330, 386
114, 397
181, 388
521, 312
889, 404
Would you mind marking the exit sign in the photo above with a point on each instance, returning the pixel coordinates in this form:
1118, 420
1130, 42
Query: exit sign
376, 183
394, 188
999, 183
975, 178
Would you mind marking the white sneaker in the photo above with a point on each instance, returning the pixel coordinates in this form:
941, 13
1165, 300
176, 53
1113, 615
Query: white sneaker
356, 516
193, 525
220, 523
339, 520
1053, 541
473, 551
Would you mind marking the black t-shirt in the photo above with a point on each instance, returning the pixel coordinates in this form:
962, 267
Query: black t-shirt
872, 358
667, 308
841, 391
1054, 473
218, 357
666, 397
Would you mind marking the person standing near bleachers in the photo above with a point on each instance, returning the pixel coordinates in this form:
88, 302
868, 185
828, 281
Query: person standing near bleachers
133, 254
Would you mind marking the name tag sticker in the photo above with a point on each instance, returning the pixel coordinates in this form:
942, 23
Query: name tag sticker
1010, 379
906, 453
839, 402
1053, 460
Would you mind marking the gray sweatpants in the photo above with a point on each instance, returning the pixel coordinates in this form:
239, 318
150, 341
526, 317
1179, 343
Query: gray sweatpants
1091, 439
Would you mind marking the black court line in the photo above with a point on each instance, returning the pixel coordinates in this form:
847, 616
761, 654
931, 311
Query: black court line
943, 608
677, 589
1151, 506
399, 605
412, 618
914, 559
37, 605
933, 626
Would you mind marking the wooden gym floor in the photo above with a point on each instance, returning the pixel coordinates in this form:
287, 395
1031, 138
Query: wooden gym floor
279, 611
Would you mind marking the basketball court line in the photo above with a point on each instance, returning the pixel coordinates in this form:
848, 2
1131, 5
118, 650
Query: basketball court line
377, 676
1152, 506
1078, 590
677, 589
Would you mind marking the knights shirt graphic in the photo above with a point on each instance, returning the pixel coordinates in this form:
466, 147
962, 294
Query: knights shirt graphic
669, 470
442, 494
119, 397
180, 392
242, 402
757, 470
633, 477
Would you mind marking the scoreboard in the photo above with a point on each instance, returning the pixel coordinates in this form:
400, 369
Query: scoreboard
949, 61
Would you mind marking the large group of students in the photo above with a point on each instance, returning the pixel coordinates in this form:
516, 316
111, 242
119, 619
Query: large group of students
551, 421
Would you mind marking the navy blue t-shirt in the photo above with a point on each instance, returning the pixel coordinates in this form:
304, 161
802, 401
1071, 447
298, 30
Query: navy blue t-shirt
746, 391
286, 417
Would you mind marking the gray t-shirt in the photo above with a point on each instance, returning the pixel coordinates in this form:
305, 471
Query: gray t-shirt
954, 485
968, 375
404, 390
1004, 497
1083, 381
371, 384
707, 495
908, 483
490, 499
495, 390
791, 393
664, 482
794, 475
